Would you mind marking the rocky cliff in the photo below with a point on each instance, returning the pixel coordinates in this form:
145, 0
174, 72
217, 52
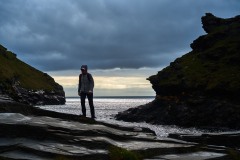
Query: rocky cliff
202, 87
26, 84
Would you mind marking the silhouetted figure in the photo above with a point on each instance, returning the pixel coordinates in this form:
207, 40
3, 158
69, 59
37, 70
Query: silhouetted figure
85, 89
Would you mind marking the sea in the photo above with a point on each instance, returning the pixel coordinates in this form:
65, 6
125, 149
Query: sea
107, 107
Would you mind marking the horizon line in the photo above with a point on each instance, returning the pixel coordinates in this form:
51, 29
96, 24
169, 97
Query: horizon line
111, 96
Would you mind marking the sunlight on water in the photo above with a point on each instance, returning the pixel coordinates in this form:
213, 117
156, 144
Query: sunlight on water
107, 108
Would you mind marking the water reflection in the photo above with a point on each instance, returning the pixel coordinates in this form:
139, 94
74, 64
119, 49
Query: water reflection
107, 108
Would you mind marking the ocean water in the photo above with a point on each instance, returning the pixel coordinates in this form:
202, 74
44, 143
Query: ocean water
107, 107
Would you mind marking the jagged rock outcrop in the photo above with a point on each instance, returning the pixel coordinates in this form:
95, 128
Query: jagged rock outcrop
31, 133
26, 84
202, 87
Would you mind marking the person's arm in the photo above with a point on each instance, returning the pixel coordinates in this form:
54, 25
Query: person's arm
91, 83
79, 85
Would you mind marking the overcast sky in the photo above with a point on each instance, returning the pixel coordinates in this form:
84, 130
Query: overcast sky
114, 37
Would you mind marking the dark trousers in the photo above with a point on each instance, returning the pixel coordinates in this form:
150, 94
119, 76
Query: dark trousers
90, 100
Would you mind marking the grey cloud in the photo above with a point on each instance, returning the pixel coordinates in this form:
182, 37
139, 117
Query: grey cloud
53, 35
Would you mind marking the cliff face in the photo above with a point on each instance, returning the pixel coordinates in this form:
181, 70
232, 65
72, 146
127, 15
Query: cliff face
202, 87
26, 84
212, 67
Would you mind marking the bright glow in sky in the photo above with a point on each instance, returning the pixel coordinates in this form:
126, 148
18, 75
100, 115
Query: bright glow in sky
122, 82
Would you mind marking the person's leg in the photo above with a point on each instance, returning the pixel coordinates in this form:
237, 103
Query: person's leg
90, 100
83, 97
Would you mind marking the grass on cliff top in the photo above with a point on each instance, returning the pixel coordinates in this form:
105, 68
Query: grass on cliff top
214, 67
217, 71
30, 78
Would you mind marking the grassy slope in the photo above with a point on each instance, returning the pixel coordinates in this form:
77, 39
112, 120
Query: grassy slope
212, 68
29, 77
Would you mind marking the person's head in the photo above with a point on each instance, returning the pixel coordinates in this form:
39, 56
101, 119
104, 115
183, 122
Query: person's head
84, 69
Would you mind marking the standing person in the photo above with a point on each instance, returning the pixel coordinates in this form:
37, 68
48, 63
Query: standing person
85, 89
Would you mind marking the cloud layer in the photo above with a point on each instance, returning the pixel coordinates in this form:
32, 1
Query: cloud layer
57, 35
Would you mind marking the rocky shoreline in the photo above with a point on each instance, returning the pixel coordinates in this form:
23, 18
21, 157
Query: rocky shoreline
201, 88
31, 133
39, 97
217, 115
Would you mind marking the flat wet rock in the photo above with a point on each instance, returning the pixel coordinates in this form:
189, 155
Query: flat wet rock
32, 133
189, 156
28, 136
226, 139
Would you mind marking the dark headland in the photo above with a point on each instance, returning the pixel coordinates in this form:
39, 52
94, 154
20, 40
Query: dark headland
25, 84
201, 88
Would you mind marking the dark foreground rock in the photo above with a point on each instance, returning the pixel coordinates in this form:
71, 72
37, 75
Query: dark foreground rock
201, 113
31, 133
201, 88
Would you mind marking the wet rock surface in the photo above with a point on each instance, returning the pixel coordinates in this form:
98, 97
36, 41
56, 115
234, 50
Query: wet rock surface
31, 133
49, 135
